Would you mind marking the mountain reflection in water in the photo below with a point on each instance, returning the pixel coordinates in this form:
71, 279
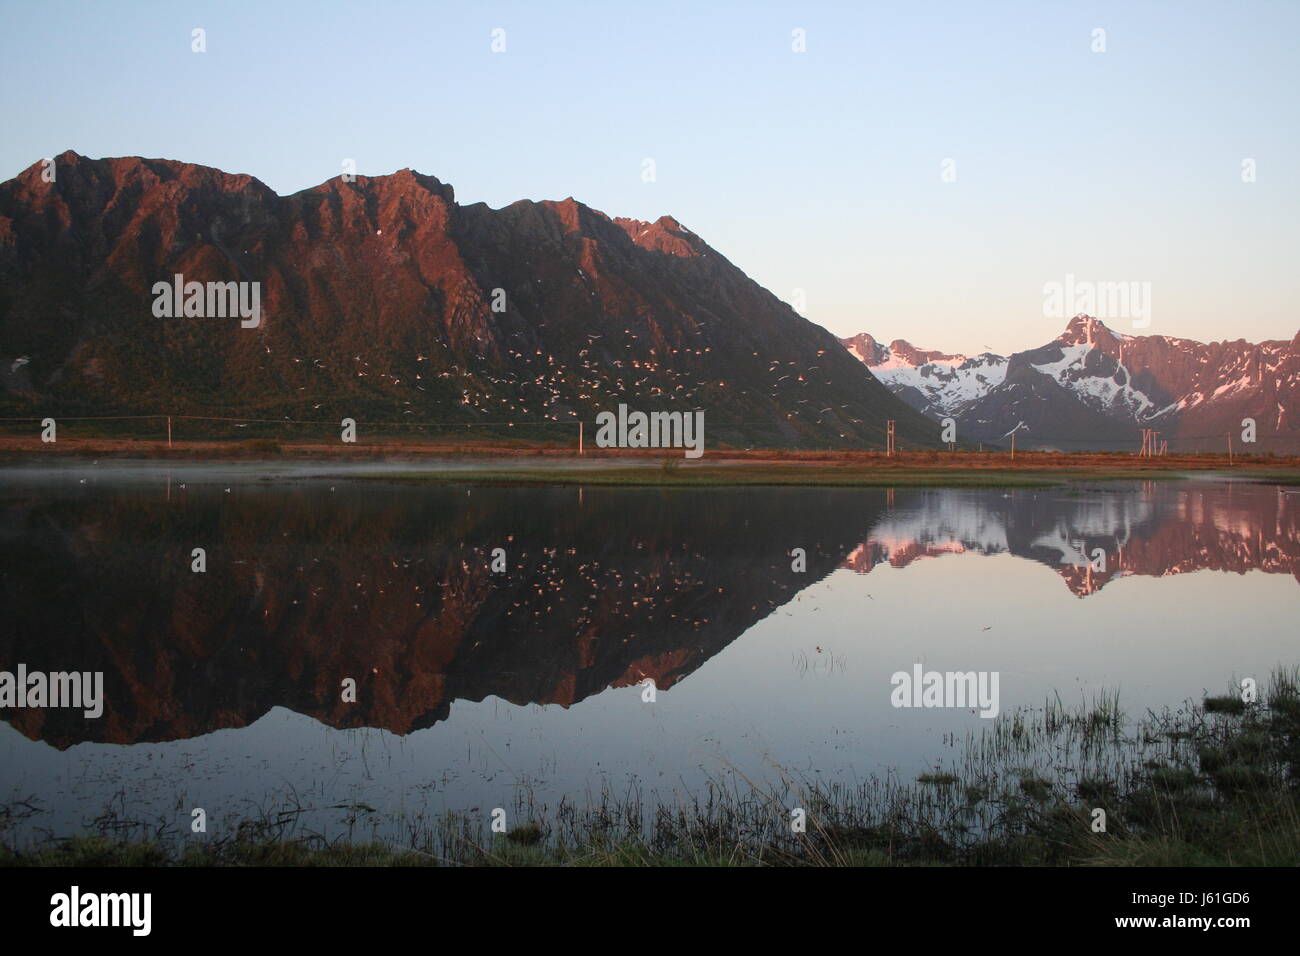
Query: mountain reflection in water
309, 583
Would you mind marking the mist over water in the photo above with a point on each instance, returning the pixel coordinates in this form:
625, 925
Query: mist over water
476, 689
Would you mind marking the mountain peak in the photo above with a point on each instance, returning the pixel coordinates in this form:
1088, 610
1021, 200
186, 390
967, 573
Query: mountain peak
403, 182
866, 349
112, 175
907, 352
665, 234
411, 177
1086, 330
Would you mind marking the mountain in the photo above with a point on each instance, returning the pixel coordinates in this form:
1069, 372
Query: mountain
383, 298
1091, 388
931, 382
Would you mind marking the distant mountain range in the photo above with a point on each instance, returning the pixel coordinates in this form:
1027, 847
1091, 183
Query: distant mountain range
384, 299
1092, 388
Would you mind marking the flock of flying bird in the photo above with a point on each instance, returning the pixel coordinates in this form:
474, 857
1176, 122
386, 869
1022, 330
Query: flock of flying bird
537, 387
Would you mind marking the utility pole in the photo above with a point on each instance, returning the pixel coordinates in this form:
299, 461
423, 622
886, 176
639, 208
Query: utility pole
169, 431
579, 438
1229, 448
889, 438
1013, 446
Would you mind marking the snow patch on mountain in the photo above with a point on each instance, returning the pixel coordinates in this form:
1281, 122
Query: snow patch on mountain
948, 383
1105, 392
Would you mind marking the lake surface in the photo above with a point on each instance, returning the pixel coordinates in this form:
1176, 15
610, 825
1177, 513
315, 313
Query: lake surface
478, 689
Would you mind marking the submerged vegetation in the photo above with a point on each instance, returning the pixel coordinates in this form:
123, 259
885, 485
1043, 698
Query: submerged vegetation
1212, 783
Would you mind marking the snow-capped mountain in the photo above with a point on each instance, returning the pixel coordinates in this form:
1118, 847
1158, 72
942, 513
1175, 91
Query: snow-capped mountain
932, 382
1091, 387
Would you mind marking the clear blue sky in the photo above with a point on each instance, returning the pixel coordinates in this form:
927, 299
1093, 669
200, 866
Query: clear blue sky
817, 171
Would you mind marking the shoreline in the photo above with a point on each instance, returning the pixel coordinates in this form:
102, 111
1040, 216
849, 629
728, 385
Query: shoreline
540, 465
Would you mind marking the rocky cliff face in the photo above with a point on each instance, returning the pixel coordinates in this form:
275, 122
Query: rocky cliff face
1094, 388
384, 298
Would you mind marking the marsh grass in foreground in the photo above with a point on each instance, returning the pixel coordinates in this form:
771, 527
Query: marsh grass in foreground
1211, 783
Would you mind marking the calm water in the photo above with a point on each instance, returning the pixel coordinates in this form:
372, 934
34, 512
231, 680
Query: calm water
223, 688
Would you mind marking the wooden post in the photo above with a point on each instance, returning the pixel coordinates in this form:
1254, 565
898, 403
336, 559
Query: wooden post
1230, 448
1013, 446
889, 438
579, 438
169, 431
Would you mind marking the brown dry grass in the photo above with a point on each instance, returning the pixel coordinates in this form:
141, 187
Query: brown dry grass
31, 449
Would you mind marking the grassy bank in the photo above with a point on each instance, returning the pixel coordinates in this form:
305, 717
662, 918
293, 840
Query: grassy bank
522, 463
1212, 783
838, 475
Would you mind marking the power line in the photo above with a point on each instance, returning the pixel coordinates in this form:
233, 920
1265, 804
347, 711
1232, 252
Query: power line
1149, 442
